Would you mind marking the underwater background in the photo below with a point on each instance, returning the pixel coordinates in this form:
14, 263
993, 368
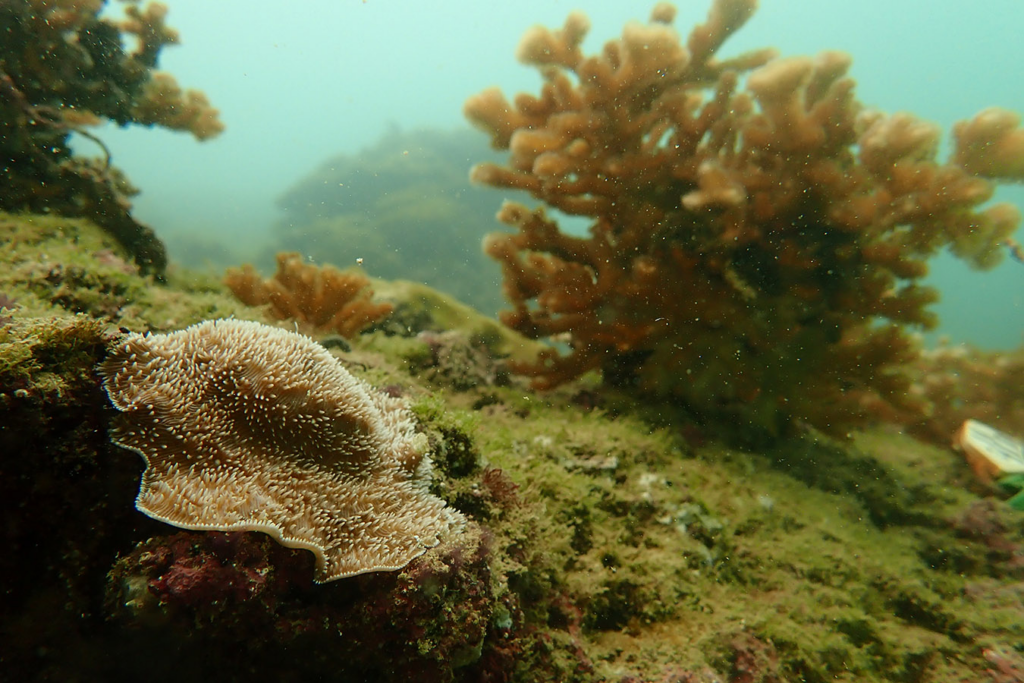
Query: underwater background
699, 443
299, 85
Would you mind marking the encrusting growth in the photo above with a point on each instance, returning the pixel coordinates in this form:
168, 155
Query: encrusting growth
246, 427
754, 251
320, 299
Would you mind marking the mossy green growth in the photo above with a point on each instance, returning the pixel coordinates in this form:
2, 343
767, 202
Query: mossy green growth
52, 265
48, 356
612, 544
420, 307
454, 449
816, 561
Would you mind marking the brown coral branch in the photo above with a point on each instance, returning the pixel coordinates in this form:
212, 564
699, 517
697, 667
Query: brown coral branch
991, 145
320, 299
148, 25
163, 103
1015, 249
724, 19
957, 383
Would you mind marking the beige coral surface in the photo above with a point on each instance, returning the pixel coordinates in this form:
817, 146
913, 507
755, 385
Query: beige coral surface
247, 427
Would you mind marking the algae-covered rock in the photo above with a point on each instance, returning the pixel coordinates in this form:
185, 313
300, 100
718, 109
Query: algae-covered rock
53, 265
604, 542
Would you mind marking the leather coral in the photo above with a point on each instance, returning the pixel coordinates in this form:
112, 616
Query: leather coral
245, 427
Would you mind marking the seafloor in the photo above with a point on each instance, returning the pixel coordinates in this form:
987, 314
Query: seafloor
607, 542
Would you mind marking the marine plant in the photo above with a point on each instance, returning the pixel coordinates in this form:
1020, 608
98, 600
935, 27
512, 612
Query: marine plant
757, 235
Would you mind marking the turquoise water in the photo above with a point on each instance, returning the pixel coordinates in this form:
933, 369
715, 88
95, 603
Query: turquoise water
297, 83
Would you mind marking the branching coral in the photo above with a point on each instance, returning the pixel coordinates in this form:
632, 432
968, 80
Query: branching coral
64, 67
757, 235
321, 299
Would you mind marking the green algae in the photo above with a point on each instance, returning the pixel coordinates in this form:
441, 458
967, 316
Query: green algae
604, 544
48, 357
57, 266
421, 308
822, 551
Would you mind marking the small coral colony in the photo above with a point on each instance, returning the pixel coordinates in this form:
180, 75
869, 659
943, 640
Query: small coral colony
756, 243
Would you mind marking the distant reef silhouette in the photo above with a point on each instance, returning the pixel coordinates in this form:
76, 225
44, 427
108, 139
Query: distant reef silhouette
406, 207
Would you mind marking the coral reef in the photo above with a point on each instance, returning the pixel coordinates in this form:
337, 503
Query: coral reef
63, 68
320, 299
405, 206
247, 427
598, 547
757, 236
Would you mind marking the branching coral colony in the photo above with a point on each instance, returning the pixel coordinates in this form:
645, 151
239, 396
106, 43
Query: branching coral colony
754, 251
319, 298
63, 68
